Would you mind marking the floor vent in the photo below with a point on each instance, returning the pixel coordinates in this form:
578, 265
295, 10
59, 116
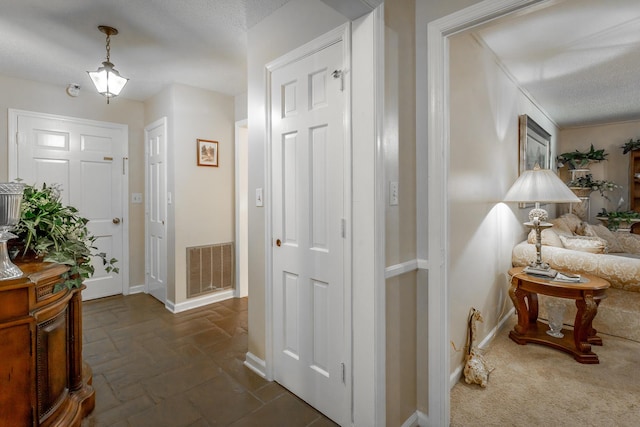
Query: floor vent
209, 269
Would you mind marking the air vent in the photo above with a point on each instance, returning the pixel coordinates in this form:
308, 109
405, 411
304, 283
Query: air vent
209, 269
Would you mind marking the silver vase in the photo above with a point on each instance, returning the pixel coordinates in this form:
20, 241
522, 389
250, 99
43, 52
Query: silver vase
10, 201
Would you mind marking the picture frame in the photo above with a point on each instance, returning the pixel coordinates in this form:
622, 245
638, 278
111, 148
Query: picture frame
207, 152
535, 145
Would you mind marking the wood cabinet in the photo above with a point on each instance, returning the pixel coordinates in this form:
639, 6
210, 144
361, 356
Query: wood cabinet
634, 183
43, 381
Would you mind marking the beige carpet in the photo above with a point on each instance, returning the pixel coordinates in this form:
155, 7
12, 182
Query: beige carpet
534, 385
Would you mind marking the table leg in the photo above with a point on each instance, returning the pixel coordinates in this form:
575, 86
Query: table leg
587, 310
517, 297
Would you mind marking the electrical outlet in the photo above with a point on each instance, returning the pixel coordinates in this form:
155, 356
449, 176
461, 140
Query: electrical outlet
136, 197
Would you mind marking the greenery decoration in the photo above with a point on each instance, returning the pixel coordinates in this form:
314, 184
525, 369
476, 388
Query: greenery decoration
616, 217
631, 146
57, 233
580, 159
600, 185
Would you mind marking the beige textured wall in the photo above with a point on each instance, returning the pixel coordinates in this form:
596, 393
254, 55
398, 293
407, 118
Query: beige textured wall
485, 105
44, 98
611, 137
400, 221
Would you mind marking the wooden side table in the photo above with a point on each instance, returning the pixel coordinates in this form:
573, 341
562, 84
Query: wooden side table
587, 295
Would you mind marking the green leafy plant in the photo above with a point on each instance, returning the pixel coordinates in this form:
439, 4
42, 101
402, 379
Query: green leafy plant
580, 159
58, 233
616, 217
600, 185
631, 146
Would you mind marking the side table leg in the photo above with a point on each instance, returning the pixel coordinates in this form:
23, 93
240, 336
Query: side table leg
517, 297
587, 310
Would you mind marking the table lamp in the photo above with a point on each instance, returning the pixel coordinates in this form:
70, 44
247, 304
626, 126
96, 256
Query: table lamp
539, 186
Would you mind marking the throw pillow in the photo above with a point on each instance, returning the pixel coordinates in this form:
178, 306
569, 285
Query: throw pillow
572, 221
599, 230
594, 245
560, 227
549, 238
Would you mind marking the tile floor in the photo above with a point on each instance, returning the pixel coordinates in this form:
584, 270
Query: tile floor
154, 368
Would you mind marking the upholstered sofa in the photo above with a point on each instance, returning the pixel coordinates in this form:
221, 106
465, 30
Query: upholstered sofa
578, 247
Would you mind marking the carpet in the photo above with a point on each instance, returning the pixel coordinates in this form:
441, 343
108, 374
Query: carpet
535, 385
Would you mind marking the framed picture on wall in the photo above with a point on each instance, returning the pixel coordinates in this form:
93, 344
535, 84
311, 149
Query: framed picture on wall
207, 153
535, 145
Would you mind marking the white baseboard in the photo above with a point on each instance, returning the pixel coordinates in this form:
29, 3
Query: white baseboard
256, 364
137, 289
199, 302
457, 374
417, 419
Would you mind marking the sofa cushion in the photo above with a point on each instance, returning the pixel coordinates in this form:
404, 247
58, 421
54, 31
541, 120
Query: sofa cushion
572, 221
594, 245
599, 230
549, 238
560, 227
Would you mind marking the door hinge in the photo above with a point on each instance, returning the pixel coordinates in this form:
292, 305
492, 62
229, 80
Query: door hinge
343, 228
339, 74
124, 163
343, 373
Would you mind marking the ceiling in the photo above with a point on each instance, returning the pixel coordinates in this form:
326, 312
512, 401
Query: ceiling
578, 59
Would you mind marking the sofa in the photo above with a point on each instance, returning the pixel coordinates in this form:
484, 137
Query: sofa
578, 247
575, 246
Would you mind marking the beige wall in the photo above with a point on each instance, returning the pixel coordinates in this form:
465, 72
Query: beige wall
289, 27
202, 211
485, 105
611, 137
400, 221
44, 98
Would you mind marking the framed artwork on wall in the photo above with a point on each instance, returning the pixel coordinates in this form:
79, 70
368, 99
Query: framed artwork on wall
207, 153
535, 145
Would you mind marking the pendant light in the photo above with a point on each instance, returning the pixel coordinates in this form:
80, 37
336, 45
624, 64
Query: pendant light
106, 78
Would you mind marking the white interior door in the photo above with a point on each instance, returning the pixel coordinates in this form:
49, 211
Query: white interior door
311, 354
156, 209
87, 159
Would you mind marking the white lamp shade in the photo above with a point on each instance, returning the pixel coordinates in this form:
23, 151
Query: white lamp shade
540, 185
107, 80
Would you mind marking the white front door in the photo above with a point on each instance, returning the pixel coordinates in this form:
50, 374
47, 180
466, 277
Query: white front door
156, 209
88, 160
310, 305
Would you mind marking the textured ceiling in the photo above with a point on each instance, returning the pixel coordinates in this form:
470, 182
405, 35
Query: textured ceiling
200, 43
579, 59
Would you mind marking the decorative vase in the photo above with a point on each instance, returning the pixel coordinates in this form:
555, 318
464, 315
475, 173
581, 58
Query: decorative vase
10, 201
555, 312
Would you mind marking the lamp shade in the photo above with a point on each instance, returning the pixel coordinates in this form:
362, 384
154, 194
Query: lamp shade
107, 80
540, 185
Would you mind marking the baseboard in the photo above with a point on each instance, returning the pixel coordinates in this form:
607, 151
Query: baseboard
137, 289
199, 302
457, 374
256, 364
417, 419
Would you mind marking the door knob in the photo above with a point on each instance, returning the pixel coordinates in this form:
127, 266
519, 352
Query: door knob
116, 220
278, 243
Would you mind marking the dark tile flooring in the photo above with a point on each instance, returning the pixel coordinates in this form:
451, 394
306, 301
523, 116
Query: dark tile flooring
154, 368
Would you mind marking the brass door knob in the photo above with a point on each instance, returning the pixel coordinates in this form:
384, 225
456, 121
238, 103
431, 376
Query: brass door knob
278, 243
116, 220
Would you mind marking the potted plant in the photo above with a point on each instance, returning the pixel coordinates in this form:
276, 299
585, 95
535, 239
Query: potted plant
631, 146
618, 219
584, 185
57, 233
580, 159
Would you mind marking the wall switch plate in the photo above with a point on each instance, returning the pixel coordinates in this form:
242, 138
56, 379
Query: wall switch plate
393, 193
136, 197
259, 200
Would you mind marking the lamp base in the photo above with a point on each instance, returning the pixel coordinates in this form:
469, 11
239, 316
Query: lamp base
540, 271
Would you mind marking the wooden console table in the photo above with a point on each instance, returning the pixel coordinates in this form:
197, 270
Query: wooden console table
588, 294
43, 381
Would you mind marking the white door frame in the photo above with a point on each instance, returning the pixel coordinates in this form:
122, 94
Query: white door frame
242, 241
341, 33
12, 140
147, 261
432, 61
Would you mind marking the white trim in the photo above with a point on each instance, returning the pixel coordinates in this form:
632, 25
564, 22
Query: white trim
192, 303
340, 34
256, 364
400, 269
241, 291
137, 289
12, 142
434, 64
412, 421
423, 264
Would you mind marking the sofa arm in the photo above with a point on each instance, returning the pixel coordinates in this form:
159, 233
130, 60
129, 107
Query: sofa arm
630, 242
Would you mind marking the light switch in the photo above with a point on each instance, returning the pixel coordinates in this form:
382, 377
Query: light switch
136, 197
393, 193
259, 201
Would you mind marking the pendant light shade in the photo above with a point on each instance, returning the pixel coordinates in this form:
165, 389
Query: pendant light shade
107, 80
